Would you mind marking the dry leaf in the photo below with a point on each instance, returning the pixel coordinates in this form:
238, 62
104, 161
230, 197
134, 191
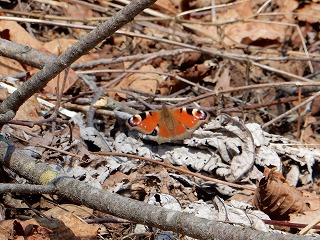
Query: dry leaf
66, 226
20, 35
305, 218
238, 11
79, 211
10, 66
309, 13
30, 111
223, 81
33, 230
309, 134
250, 32
7, 229
81, 229
78, 11
310, 215
286, 8
3, 94
57, 47
276, 198
60, 45
244, 9
165, 6
70, 81
144, 81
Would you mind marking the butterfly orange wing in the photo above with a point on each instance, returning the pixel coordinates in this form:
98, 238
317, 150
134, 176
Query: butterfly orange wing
189, 117
145, 122
168, 124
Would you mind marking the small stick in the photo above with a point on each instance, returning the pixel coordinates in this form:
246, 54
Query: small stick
291, 110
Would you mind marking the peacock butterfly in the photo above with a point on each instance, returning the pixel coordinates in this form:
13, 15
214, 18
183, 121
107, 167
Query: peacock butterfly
168, 124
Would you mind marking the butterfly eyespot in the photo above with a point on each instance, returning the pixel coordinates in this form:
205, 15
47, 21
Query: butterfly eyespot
135, 120
199, 114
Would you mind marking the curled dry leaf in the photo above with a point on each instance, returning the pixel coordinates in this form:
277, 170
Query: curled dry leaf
276, 198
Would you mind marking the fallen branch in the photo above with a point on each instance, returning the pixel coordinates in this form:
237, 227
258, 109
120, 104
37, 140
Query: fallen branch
126, 208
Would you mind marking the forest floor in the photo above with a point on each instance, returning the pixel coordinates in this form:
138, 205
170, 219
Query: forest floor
239, 82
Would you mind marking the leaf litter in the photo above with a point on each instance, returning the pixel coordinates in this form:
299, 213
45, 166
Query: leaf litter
234, 149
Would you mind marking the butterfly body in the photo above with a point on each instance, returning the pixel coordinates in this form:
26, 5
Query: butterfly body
168, 124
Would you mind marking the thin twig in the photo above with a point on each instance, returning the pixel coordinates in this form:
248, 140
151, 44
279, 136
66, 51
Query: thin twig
246, 88
291, 110
60, 151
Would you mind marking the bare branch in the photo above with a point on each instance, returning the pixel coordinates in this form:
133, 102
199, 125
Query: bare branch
54, 67
24, 54
27, 188
126, 208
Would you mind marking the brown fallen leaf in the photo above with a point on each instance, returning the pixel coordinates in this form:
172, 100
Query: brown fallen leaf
251, 32
66, 226
276, 198
58, 46
81, 229
78, 11
243, 10
305, 218
165, 6
79, 211
286, 7
20, 35
309, 13
309, 133
30, 111
6, 229
223, 80
10, 66
312, 216
70, 81
29, 229
146, 81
